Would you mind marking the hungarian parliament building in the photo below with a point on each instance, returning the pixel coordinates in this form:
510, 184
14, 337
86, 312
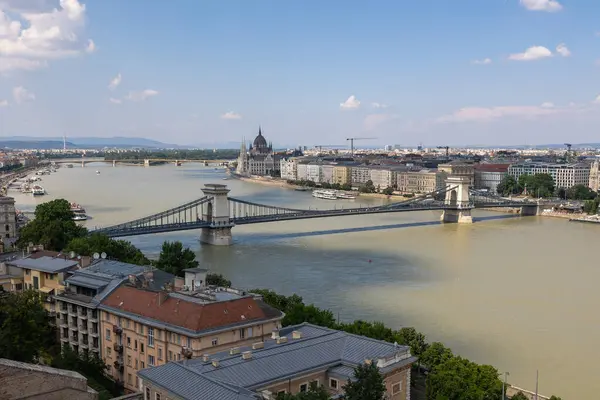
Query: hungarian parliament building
259, 159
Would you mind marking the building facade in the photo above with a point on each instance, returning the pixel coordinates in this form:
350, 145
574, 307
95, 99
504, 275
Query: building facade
459, 168
259, 159
489, 176
8, 219
143, 328
314, 172
564, 175
288, 362
361, 174
289, 168
342, 175
422, 181
594, 181
383, 177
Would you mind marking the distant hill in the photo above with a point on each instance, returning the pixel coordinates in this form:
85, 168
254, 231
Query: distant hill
33, 144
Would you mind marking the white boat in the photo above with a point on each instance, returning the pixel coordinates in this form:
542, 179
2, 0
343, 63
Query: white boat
37, 190
97, 172
346, 195
325, 194
79, 216
76, 208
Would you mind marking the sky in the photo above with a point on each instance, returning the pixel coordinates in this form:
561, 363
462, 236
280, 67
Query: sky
310, 72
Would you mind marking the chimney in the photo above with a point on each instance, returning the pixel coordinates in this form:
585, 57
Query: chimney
215, 363
162, 297
234, 350
178, 283
281, 340
246, 355
205, 358
296, 335
258, 345
275, 334
368, 362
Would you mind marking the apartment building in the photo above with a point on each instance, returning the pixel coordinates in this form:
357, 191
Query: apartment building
361, 174
289, 362
383, 177
289, 168
342, 174
594, 181
19, 380
327, 173
459, 168
421, 181
489, 176
8, 220
302, 171
77, 316
314, 172
564, 175
145, 328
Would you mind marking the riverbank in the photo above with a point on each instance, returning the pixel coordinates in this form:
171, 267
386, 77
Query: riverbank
283, 184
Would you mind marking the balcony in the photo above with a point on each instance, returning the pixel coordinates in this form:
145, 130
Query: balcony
94, 332
93, 315
83, 314
118, 347
119, 365
117, 329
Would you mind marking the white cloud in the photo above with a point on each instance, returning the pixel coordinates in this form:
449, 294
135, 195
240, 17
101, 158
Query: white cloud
26, 64
485, 61
372, 121
532, 53
115, 82
141, 95
542, 5
231, 115
597, 101
563, 50
36, 31
482, 114
115, 101
547, 104
91, 46
350, 103
379, 105
3, 103
22, 95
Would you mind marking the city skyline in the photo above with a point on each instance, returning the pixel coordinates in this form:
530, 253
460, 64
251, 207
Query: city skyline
500, 73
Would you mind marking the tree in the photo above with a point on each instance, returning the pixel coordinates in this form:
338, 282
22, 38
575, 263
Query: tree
315, 392
346, 186
507, 186
388, 190
540, 185
174, 258
435, 355
555, 398
519, 396
121, 250
580, 192
53, 226
591, 206
300, 313
368, 384
25, 330
368, 187
412, 338
217, 280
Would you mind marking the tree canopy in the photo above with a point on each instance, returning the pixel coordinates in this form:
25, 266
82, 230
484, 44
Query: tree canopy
368, 384
507, 186
580, 192
25, 331
314, 392
121, 250
217, 280
538, 185
174, 258
53, 226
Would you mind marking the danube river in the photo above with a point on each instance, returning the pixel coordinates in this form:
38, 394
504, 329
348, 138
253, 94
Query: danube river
517, 293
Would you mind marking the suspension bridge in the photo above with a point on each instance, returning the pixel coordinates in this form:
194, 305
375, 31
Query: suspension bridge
216, 213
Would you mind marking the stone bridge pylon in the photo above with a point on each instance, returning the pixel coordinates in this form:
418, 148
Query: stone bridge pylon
217, 214
457, 200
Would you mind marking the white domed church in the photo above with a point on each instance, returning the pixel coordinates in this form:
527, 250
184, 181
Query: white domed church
259, 159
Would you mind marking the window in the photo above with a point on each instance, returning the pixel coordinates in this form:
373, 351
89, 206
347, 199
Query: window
333, 383
314, 383
147, 394
108, 351
304, 387
242, 333
135, 345
178, 339
127, 324
136, 363
170, 355
150, 337
129, 362
150, 361
141, 329
159, 335
108, 334
141, 347
156, 396
215, 341
143, 365
396, 388
249, 332
128, 341
159, 353
189, 343
129, 378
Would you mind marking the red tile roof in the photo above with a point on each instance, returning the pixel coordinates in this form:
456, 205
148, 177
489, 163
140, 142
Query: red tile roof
188, 314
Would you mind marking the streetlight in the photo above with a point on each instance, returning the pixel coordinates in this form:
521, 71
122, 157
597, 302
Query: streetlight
504, 385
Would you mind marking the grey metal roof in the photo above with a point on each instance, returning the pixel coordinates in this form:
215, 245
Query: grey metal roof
318, 349
44, 264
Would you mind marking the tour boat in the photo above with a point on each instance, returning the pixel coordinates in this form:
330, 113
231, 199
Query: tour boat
346, 195
37, 190
76, 208
325, 194
79, 216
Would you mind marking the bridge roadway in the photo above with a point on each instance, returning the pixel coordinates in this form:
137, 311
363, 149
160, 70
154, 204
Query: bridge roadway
152, 225
133, 161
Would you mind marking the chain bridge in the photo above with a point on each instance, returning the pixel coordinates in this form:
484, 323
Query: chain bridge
216, 213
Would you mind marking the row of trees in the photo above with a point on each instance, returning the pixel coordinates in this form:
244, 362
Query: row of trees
11, 167
542, 185
182, 154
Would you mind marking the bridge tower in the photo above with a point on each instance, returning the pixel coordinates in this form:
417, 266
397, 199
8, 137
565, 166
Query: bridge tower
146, 163
457, 200
217, 214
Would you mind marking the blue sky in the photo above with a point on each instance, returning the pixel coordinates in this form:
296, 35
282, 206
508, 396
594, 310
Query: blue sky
433, 71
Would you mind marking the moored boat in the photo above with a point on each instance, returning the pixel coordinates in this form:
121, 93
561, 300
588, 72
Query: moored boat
76, 208
37, 190
325, 194
79, 216
346, 195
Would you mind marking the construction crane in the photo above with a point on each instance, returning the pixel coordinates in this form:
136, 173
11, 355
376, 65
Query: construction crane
352, 139
447, 150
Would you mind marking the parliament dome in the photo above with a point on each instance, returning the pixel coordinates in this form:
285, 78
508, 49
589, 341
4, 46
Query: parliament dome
260, 142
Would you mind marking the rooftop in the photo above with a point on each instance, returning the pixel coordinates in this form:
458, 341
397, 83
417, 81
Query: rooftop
313, 348
40, 368
184, 312
45, 264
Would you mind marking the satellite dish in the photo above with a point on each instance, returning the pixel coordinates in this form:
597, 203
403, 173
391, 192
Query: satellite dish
96, 256
103, 255
72, 254
79, 257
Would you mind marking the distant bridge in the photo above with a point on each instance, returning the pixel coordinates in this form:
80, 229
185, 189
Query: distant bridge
146, 162
216, 213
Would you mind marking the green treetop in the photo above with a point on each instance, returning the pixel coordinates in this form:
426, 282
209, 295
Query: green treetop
174, 258
368, 384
